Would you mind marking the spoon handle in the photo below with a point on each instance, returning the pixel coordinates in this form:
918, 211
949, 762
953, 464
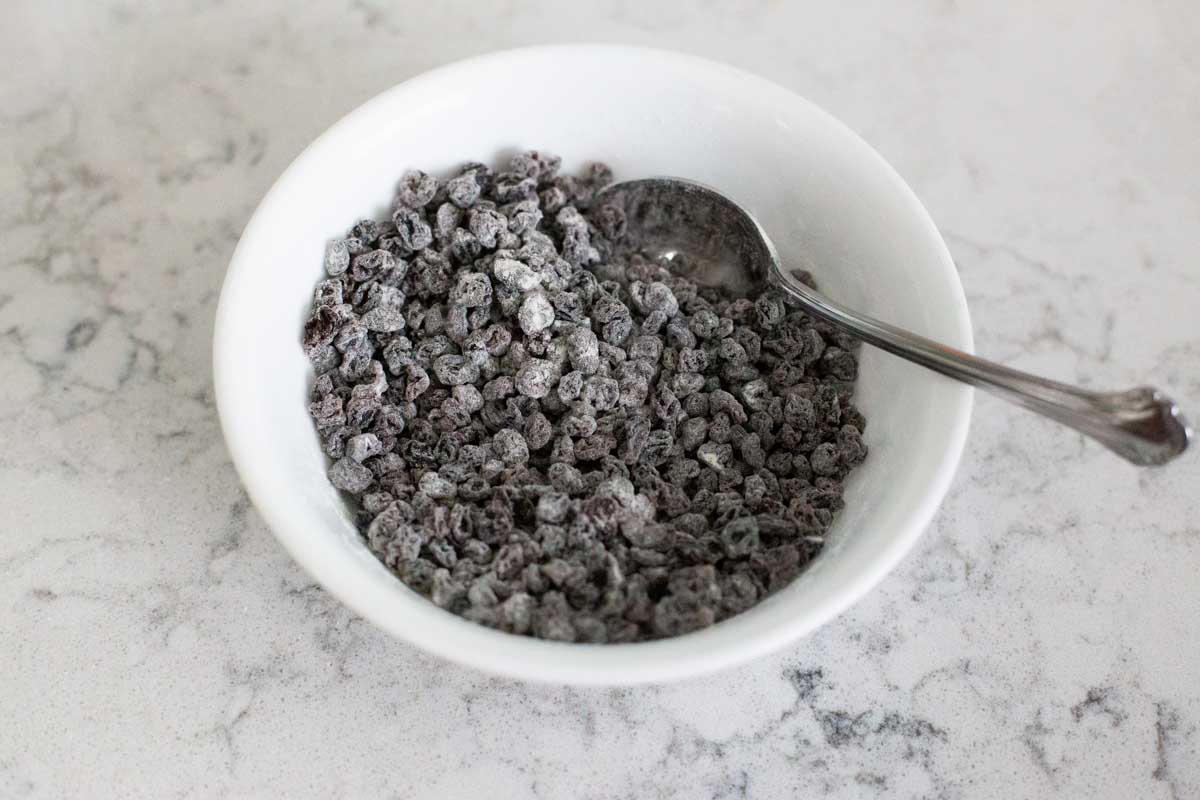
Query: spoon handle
1141, 425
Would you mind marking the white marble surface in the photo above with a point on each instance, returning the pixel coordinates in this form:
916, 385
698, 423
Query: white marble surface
1042, 640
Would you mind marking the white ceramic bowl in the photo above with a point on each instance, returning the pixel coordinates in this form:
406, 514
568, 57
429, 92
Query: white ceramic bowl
830, 203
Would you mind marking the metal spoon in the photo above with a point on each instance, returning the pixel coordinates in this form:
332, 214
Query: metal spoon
722, 244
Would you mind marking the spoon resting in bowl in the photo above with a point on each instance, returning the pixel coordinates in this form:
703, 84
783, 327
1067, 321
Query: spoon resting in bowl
720, 244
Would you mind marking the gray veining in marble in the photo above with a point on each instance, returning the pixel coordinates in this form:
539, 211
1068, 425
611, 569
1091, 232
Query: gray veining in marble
1042, 640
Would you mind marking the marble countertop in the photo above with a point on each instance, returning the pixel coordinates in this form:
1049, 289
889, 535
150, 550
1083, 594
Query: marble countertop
1042, 640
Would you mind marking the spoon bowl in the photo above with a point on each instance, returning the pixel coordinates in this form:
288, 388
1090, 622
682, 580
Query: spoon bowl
704, 235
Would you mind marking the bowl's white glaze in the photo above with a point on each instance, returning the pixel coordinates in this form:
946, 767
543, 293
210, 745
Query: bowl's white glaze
830, 203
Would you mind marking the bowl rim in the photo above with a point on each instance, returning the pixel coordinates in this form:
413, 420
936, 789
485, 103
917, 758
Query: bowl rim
526, 658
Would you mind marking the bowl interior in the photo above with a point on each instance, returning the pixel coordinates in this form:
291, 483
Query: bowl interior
828, 201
